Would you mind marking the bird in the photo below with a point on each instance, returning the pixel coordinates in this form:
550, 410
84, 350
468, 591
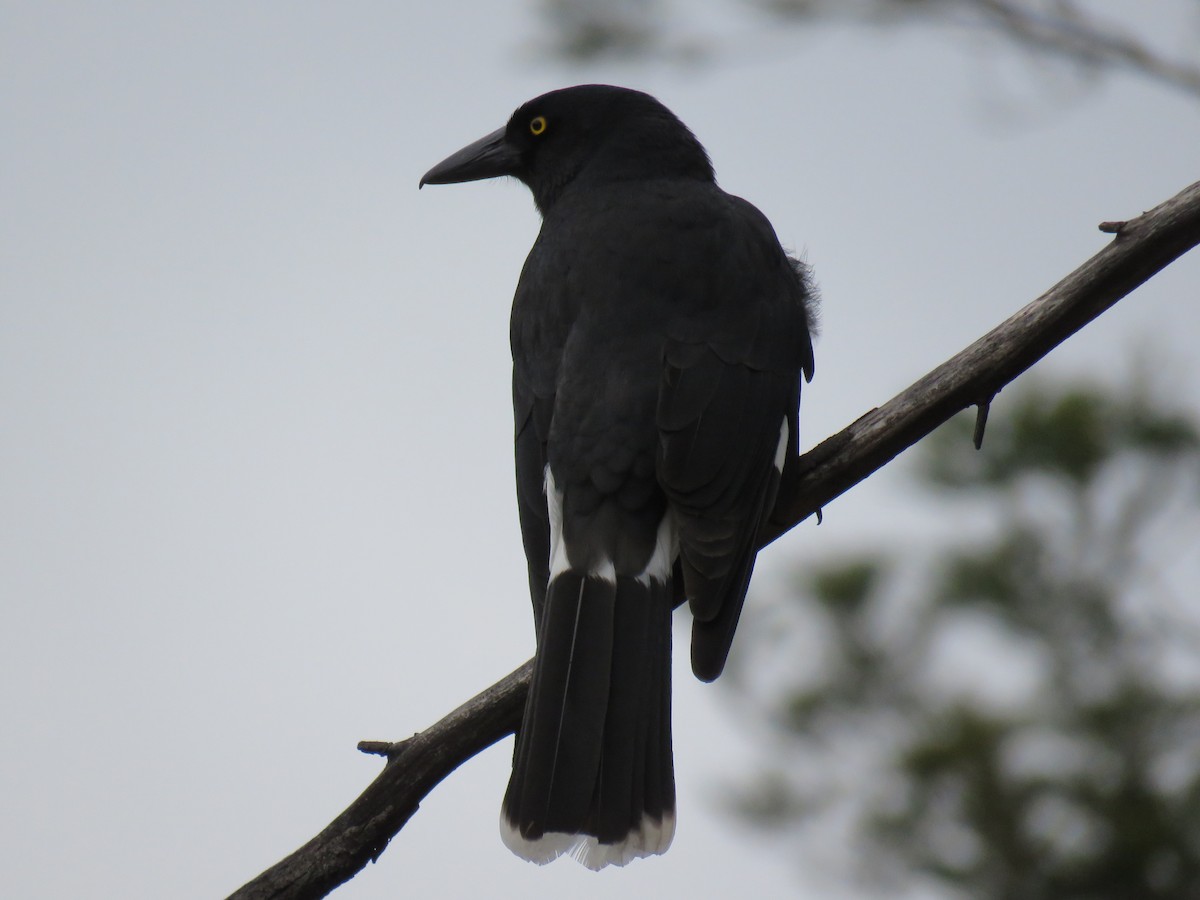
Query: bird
659, 334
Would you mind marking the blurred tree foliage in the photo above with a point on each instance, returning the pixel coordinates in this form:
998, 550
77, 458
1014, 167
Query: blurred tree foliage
1093, 39
1010, 711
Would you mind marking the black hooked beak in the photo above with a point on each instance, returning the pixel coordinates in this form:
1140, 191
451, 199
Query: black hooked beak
488, 157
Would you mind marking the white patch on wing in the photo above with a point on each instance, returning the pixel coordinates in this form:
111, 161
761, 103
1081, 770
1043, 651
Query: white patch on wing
666, 550
651, 837
781, 450
554, 509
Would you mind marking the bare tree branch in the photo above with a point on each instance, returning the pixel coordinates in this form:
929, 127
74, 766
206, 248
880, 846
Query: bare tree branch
1141, 248
415, 766
1051, 29
1068, 32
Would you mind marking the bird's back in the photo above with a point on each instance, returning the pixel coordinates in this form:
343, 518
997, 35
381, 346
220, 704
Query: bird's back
659, 335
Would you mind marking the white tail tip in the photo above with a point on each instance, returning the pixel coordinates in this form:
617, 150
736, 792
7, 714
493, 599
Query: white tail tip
651, 838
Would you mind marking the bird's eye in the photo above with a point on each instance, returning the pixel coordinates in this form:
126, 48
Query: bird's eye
537, 125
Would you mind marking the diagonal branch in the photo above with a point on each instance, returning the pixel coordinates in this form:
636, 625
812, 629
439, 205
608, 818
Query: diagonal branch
1141, 248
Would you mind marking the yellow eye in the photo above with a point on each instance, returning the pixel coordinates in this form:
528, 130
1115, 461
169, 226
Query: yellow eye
537, 125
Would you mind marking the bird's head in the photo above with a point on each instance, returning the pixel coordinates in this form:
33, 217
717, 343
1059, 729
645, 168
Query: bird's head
590, 133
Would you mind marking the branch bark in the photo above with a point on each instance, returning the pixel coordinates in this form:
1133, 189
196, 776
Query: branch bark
1141, 248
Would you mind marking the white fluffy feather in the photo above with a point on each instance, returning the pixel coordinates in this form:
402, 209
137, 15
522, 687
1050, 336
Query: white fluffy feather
559, 558
666, 549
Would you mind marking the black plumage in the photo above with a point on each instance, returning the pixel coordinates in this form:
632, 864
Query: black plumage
659, 336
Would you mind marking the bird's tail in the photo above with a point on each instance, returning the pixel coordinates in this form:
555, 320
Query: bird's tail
592, 773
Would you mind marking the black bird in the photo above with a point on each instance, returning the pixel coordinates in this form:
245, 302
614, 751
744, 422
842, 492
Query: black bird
659, 334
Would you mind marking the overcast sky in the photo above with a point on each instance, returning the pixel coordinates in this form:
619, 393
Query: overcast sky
255, 454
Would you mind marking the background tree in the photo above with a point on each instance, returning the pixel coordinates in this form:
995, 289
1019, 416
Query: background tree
1013, 710
1092, 42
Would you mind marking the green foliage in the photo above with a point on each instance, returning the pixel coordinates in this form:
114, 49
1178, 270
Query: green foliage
1061, 760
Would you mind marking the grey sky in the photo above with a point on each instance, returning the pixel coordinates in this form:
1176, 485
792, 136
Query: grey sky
255, 456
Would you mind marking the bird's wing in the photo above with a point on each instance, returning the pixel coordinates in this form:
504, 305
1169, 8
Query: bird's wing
727, 418
532, 416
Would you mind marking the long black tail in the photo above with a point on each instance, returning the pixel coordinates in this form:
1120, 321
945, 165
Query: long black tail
592, 773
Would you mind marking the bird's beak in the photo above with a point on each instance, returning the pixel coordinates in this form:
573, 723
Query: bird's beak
488, 157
